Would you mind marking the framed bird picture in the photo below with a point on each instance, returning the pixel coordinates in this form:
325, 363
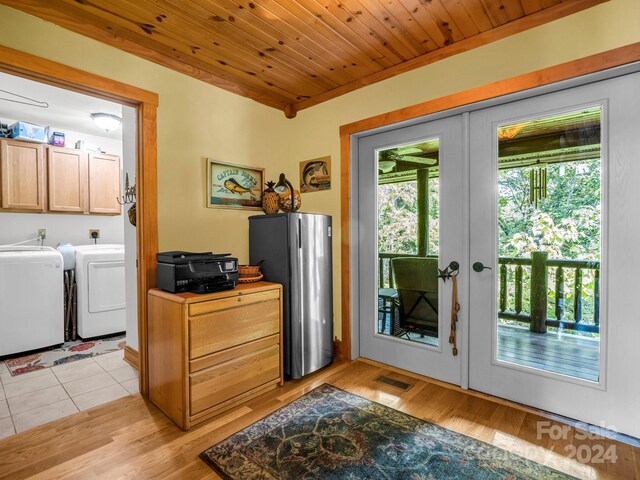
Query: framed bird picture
234, 186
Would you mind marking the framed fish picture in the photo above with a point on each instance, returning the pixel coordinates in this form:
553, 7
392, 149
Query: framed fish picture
234, 186
315, 175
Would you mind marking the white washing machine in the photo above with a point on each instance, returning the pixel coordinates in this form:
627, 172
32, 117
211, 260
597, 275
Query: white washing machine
101, 290
31, 299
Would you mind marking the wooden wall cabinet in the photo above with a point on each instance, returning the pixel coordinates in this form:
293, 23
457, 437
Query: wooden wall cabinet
104, 183
209, 353
22, 175
68, 180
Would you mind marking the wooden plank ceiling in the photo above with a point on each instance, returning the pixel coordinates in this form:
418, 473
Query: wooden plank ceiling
292, 54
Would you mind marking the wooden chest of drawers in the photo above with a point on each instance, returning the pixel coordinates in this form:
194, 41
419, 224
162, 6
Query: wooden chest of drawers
209, 353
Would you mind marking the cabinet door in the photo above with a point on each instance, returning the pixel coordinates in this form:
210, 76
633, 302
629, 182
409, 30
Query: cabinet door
67, 179
104, 183
22, 172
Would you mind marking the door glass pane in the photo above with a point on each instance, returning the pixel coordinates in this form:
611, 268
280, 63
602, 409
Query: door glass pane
408, 239
549, 223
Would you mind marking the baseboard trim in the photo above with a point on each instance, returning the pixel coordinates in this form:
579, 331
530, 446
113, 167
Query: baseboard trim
132, 357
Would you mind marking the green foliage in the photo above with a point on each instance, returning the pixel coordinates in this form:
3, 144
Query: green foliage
398, 217
566, 223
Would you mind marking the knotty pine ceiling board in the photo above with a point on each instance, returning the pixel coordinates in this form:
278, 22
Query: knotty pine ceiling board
293, 54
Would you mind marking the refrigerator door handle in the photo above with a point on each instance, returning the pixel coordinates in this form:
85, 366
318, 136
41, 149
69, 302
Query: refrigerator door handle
299, 233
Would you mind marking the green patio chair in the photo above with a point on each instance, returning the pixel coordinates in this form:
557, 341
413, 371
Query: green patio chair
416, 280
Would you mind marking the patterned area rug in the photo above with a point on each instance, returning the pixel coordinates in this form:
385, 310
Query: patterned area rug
333, 434
69, 352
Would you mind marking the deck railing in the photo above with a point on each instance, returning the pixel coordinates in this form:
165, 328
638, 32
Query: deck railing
512, 299
540, 268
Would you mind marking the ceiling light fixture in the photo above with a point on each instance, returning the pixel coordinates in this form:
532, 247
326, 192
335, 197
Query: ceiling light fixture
106, 121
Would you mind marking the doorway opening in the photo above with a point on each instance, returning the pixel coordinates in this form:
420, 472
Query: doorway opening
142, 105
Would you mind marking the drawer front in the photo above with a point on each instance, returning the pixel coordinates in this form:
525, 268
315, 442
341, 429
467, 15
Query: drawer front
232, 302
230, 353
225, 381
234, 326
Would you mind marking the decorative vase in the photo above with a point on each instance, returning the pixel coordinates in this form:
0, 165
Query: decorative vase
132, 214
270, 199
284, 201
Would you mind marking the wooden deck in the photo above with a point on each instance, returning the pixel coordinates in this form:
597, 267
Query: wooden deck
565, 354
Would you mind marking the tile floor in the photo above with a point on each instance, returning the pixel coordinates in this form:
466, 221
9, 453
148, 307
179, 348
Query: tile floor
39, 397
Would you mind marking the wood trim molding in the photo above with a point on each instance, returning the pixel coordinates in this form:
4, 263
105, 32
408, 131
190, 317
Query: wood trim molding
45, 71
132, 357
594, 63
146, 103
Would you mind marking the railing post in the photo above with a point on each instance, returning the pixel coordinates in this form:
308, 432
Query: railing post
539, 296
518, 305
503, 288
560, 294
423, 211
577, 297
596, 297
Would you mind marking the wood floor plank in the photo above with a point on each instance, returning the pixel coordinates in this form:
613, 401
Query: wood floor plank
130, 439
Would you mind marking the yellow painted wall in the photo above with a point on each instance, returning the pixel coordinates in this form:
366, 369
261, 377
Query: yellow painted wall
196, 120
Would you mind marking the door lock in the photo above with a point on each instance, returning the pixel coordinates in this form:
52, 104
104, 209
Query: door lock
478, 267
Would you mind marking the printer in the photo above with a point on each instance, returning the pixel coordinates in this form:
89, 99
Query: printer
196, 272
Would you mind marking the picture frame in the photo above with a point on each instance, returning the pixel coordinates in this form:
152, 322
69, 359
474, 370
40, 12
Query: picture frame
230, 185
315, 175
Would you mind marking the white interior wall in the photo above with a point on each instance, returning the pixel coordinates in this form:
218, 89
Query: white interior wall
130, 249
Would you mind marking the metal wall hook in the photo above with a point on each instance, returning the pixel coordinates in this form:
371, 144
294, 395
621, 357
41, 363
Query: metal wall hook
129, 193
449, 271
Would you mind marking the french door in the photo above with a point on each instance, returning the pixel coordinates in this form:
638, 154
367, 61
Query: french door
537, 201
554, 322
411, 224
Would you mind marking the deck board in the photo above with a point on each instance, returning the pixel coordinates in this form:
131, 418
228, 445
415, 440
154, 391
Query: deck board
565, 353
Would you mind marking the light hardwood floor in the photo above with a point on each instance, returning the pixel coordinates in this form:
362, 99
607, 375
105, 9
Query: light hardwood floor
129, 438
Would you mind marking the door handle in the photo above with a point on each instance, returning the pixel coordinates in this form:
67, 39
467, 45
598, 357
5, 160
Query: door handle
478, 267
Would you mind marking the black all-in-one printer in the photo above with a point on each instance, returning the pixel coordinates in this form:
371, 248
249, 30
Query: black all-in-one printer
196, 272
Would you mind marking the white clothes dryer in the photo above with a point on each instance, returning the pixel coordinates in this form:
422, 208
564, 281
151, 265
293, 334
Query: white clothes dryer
101, 290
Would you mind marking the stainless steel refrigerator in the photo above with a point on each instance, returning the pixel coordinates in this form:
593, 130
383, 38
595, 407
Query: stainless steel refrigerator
296, 252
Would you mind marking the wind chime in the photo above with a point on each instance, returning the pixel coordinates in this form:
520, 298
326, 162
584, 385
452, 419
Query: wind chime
537, 184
